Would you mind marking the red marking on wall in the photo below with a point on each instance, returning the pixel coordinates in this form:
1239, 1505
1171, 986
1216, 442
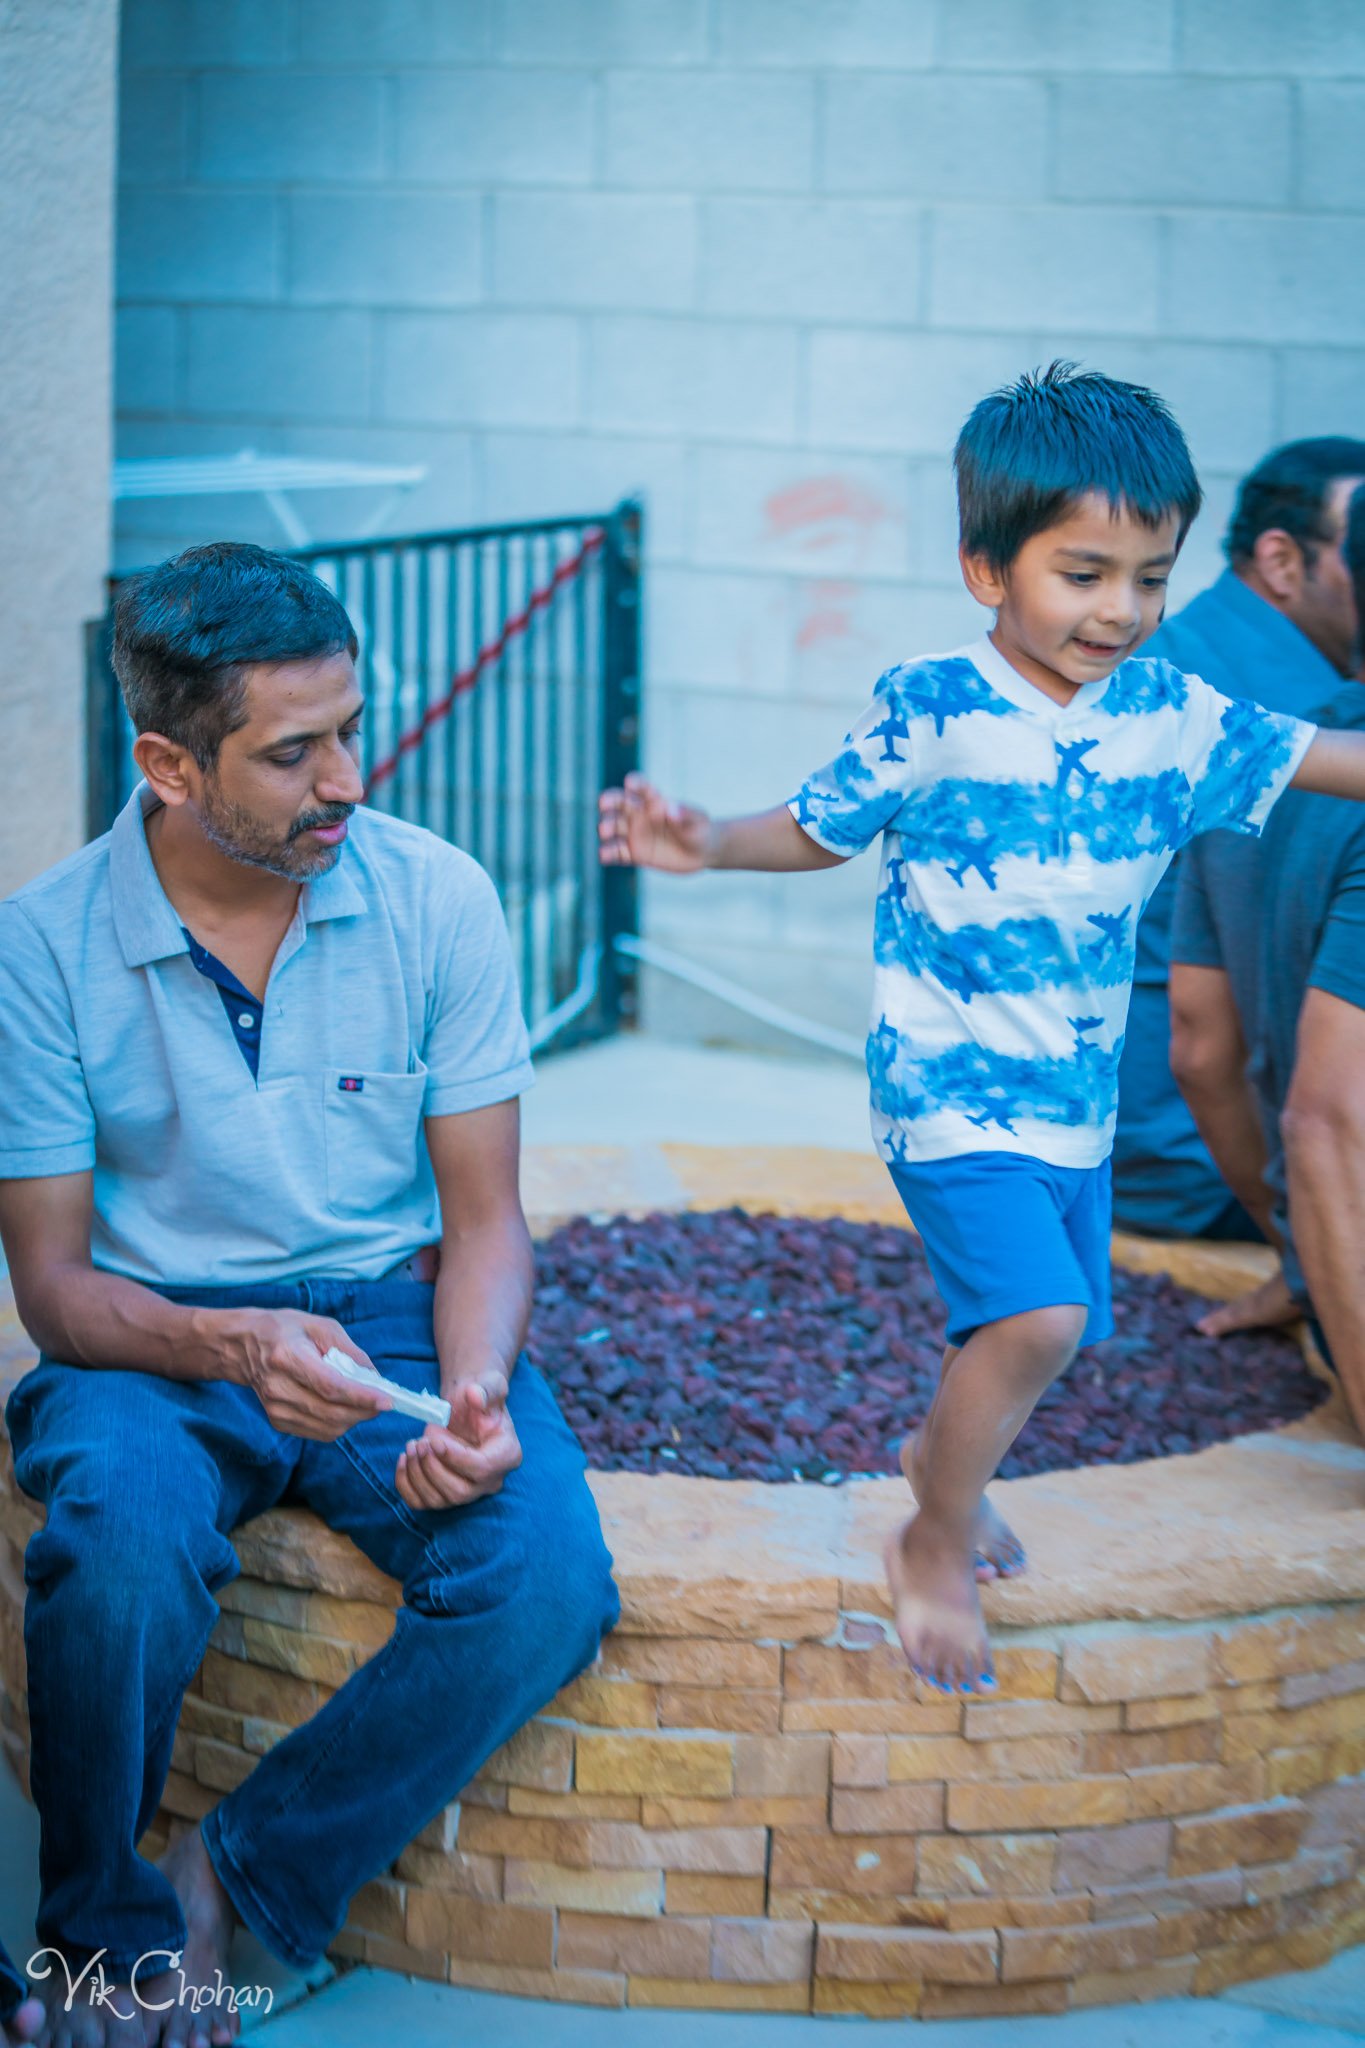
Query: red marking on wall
829, 613
822, 512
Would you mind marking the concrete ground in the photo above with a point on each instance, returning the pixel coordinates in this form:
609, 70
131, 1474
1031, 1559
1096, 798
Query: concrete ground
636, 1090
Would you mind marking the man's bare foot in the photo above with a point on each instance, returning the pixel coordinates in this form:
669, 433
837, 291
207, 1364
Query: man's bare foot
75, 2009
197, 1992
25, 2023
999, 1553
1268, 1307
938, 1613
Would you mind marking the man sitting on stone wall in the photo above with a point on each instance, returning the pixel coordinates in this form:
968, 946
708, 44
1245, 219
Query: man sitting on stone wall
262, 1053
1278, 626
1268, 1033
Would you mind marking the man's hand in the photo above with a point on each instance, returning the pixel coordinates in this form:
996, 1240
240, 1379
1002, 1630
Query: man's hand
638, 827
278, 1353
448, 1468
1268, 1307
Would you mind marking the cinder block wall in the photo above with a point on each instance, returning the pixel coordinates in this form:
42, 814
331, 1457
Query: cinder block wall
755, 257
57, 93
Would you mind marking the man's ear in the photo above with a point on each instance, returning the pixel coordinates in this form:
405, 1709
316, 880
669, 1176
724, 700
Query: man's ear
985, 582
167, 767
1280, 564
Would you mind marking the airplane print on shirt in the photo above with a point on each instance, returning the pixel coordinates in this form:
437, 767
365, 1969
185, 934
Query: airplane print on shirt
1021, 839
1013, 957
995, 1091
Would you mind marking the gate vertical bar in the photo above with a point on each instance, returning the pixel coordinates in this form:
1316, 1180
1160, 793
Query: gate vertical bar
621, 557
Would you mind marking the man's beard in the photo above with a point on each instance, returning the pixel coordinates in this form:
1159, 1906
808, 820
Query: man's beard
239, 834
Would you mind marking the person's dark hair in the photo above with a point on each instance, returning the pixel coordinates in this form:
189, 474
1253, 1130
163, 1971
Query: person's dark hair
1030, 451
1353, 553
1288, 490
187, 631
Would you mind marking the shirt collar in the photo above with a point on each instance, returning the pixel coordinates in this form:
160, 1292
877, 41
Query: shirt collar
147, 925
1006, 681
1290, 642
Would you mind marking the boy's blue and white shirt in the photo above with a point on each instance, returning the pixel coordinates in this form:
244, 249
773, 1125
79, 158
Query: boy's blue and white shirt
1021, 842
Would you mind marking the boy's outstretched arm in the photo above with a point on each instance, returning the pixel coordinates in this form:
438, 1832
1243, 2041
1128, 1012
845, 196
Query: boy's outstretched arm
637, 826
1334, 765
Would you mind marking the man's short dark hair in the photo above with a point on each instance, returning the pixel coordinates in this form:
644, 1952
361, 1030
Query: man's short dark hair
1287, 491
1353, 553
187, 631
1032, 450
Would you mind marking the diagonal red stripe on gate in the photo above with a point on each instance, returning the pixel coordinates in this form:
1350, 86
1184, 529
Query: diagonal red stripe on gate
487, 657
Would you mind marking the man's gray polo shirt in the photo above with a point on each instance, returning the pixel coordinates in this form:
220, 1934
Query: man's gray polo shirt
393, 997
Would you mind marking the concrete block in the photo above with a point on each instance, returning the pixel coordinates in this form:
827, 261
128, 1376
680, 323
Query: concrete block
806, 513
885, 34
146, 359
156, 34
704, 379
1332, 146
479, 369
533, 475
199, 245
1078, 266
389, 249
602, 249
907, 391
593, 32
1269, 277
935, 137
1222, 394
276, 363
855, 260
1213, 142
1325, 37
709, 630
369, 33
1321, 392
153, 127
477, 126
318, 126
1066, 35
709, 131
845, 632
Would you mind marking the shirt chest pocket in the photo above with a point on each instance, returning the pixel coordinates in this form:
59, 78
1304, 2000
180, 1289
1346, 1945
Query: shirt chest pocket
371, 1125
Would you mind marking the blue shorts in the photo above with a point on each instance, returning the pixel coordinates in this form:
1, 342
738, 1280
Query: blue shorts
1004, 1233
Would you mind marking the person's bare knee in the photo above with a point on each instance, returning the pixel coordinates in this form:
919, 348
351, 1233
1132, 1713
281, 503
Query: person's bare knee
1043, 1341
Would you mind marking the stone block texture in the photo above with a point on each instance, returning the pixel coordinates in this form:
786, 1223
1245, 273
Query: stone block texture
756, 258
750, 1804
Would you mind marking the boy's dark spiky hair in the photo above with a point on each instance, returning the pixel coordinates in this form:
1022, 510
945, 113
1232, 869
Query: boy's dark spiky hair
1032, 449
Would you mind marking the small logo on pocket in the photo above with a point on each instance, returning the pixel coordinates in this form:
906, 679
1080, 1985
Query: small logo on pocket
351, 1084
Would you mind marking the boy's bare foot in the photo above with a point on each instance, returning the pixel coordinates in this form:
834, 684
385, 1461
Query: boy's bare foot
999, 1553
938, 1613
201, 1979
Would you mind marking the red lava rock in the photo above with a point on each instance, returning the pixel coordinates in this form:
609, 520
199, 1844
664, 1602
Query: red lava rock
765, 1347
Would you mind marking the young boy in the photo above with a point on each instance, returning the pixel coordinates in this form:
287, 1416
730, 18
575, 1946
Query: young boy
1029, 791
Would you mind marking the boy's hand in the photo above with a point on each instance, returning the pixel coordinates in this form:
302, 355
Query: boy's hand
638, 827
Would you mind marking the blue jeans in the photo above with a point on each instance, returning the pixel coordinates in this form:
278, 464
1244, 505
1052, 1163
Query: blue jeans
143, 1479
12, 1992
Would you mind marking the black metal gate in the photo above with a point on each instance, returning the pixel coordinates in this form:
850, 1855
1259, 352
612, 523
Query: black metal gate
501, 673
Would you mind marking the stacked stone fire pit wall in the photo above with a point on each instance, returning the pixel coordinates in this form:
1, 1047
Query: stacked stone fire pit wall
749, 1802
